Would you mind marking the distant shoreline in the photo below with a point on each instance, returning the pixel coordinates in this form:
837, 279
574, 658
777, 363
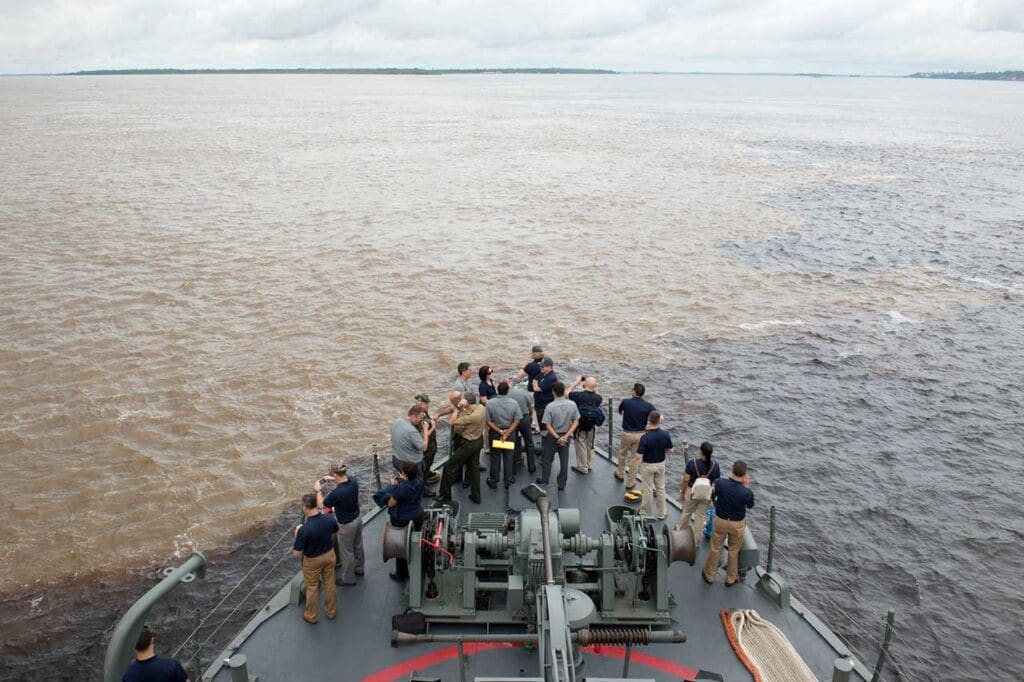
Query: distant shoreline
356, 72
396, 71
971, 75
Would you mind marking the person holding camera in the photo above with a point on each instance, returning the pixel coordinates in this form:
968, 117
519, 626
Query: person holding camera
410, 437
468, 422
405, 506
589, 403
344, 501
733, 497
314, 543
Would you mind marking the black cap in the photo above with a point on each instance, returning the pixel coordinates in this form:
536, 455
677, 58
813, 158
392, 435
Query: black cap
547, 362
538, 349
422, 398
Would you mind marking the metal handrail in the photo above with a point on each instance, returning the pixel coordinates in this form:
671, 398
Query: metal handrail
126, 632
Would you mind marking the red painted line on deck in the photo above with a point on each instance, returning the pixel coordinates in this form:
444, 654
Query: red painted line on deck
655, 662
430, 659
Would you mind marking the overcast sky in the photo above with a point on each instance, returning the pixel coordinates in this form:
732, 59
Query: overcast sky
829, 36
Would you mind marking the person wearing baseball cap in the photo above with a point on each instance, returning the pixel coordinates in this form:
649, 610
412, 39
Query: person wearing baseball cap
542, 395
343, 502
531, 370
429, 475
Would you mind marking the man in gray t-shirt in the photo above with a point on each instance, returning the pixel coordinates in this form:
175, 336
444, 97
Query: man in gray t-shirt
463, 382
524, 441
560, 421
409, 438
503, 417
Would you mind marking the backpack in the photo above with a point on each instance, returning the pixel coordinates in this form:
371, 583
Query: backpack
590, 416
701, 489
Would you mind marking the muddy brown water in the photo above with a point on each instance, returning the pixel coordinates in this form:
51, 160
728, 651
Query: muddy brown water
211, 286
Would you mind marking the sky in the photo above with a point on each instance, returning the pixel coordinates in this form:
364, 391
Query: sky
885, 37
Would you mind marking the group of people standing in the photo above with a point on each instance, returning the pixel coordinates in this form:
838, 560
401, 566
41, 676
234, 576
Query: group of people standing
500, 416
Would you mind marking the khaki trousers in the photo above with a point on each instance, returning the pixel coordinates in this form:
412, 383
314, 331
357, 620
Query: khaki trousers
698, 510
628, 441
313, 570
584, 449
653, 484
722, 529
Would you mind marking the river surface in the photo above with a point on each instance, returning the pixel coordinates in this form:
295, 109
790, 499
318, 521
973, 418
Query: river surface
212, 286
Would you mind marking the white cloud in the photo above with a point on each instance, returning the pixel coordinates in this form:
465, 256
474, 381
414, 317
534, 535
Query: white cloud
870, 36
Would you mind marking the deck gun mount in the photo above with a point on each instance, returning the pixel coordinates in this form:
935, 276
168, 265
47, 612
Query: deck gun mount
538, 570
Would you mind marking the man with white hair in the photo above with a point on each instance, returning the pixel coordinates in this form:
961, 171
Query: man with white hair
589, 403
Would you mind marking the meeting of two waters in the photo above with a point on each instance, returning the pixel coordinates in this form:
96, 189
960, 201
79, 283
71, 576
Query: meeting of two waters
214, 285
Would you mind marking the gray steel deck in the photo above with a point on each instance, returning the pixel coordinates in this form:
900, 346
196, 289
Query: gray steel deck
356, 646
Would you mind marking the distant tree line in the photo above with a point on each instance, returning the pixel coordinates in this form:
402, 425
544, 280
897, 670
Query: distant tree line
389, 71
972, 75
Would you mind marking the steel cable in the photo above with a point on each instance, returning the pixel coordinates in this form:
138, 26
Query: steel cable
232, 591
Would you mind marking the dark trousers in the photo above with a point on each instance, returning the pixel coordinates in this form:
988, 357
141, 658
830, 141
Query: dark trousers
428, 463
500, 458
402, 565
524, 442
540, 416
467, 451
551, 446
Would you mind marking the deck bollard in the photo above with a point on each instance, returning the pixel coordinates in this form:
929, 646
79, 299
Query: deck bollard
841, 669
239, 666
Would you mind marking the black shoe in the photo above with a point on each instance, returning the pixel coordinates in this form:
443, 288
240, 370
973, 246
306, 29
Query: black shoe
561, 487
541, 481
397, 578
465, 484
532, 470
474, 499
493, 485
483, 468
429, 493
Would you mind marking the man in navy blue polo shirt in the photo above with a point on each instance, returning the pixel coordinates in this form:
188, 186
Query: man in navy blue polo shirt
314, 542
733, 497
344, 501
531, 371
654, 445
148, 667
634, 411
542, 395
588, 400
